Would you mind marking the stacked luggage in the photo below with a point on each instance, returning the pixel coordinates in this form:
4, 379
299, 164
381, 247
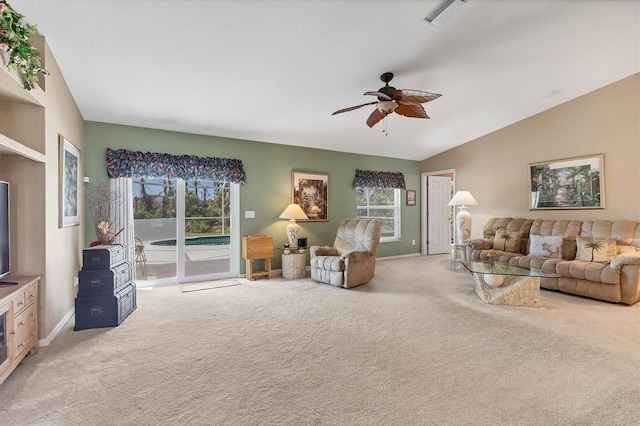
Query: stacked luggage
106, 293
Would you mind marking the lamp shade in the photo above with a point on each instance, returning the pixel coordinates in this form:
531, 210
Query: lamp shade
463, 198
293, 211
463, 218
387, 106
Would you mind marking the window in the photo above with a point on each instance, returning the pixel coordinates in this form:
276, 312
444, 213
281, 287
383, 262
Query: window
185, 227
383, 204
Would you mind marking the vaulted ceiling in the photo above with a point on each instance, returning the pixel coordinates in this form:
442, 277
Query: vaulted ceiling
275, 71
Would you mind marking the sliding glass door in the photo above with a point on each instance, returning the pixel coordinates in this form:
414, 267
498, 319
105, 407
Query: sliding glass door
184, 230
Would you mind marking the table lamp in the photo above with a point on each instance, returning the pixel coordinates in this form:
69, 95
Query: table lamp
293, 212
463, 218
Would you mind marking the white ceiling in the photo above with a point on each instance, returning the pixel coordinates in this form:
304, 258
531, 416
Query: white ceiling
274, 71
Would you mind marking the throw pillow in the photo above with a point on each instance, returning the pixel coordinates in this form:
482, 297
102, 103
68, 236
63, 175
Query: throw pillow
508, 240
545, 246
596, 249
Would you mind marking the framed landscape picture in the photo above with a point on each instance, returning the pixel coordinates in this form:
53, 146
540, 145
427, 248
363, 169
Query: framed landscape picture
310, 191
573, 183
68, 180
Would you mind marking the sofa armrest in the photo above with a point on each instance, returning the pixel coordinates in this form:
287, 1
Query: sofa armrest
323, 251
359, 267
356, 256
625, 259
481, 244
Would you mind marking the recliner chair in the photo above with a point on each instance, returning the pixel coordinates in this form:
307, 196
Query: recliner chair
352, 259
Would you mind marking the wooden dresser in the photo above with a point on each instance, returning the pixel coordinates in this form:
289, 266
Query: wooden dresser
18, 322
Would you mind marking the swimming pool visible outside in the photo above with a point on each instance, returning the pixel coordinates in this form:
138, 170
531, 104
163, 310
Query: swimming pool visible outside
217, 240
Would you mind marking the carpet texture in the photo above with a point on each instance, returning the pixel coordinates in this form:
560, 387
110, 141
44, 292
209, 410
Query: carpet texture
415, 346
208, 285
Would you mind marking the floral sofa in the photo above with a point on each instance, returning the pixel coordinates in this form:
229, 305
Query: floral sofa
598, 259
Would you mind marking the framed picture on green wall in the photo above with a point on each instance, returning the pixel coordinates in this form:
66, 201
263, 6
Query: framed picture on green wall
310, 190
411, 197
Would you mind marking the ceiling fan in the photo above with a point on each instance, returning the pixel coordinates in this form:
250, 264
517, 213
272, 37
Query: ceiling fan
403, 101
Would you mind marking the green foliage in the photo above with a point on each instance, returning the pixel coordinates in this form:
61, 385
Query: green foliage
506, 237
374, 197
206, 204
379, 203
595, 246
15, 40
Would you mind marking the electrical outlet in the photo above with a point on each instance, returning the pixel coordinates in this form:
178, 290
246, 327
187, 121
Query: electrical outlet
413, 242
249, 214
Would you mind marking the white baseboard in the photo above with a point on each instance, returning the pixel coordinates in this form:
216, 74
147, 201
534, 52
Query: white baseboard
399, 256
58, 328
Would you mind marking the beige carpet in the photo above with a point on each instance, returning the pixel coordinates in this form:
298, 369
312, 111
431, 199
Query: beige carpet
415, 346
208, 285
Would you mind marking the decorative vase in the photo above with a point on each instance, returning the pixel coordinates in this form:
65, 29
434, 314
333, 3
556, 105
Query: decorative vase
493, 280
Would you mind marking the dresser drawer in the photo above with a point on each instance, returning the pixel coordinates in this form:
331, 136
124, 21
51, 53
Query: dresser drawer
19, 301
24, 331
19, 304
23, 343
24, 298
25, 320
30, 294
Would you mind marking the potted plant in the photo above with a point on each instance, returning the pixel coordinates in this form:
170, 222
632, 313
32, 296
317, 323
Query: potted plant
102, 203
16, 45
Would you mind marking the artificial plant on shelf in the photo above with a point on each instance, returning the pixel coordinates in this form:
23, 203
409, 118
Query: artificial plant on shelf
102, 202
16, 45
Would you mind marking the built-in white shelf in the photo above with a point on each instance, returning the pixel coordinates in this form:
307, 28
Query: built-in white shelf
12, 89
10, 147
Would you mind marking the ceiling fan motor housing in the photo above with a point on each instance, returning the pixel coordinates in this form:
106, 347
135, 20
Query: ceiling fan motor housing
387, 90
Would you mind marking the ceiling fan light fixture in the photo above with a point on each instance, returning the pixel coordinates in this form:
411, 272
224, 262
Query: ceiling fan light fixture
387, 107
443, 11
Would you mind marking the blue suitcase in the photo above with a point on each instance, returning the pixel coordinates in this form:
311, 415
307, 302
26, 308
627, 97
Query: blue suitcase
105, 311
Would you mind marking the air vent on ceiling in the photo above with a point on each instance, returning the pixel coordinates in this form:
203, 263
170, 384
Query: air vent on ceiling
443, 11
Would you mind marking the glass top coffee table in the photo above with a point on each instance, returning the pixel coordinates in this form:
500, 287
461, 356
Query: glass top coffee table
503, 284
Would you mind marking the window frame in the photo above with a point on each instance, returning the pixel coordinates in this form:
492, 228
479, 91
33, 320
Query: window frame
396, 208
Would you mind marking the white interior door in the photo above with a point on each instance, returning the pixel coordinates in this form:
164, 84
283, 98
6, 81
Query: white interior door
438, 214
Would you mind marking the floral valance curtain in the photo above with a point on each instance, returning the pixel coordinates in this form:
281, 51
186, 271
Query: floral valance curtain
368, 179
136, 164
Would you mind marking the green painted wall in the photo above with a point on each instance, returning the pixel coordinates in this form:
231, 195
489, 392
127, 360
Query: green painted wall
268, 189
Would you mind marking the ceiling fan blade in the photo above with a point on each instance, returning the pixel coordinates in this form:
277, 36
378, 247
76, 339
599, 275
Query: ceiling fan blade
413, 110
380, 95
375, 116
409, 96
353, 107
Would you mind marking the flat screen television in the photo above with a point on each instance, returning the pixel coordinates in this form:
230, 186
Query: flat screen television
5, 246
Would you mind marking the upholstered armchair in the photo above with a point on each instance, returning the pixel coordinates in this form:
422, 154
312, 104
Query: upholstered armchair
352, 259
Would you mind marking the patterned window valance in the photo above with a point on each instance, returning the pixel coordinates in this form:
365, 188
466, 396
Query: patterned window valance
367, 179
135, 164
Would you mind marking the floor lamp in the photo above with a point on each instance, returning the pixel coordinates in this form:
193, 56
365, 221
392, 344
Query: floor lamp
463, 218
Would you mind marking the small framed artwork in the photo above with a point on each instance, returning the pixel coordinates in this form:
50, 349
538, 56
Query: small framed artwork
411, 197
68, 181
572, 183
310, 190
